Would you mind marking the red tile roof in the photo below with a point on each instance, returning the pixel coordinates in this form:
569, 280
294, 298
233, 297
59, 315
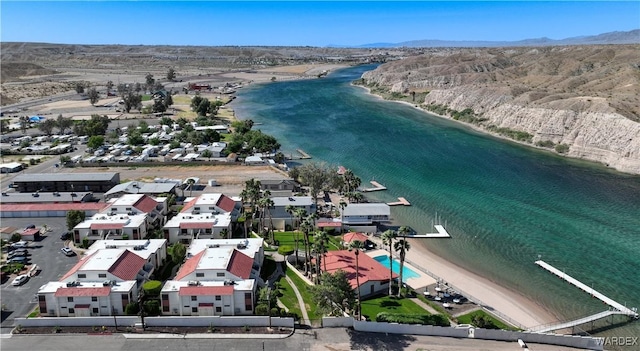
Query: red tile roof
349, 237
76, 267
189, 266
226, 203
99, 226
240, 264
127, 266
189, 204
30, 231
146, 204
328, 224
196, 225
369, 269
205, 290
84, 206
80, 291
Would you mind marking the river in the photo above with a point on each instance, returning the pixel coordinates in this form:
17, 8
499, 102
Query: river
504, 204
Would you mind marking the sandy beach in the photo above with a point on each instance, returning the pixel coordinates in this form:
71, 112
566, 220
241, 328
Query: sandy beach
508, 304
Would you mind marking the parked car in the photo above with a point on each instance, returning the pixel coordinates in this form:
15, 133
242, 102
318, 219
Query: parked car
17, 254
20, 245
30, 226
19, 280
20, 259
67, 251
65, 236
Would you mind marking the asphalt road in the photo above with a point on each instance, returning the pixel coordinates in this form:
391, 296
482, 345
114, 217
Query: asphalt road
332, 339
19, 301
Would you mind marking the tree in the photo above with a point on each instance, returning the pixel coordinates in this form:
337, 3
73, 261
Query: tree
318, 177
178, 252
93, 96
207, 153
132, 101
79, 88
167, 101
171, 74
109, 86
333, 294
387, 239
320, 241
4, 126
342, 205
251, 194
24, 123
95, 141
150, 81
356, 246
290, 209
74, 217
401, 246
190, 183
47, 126
158, 106
63, 123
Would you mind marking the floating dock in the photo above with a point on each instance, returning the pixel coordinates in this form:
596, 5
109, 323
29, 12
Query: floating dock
401, 201
376, 187
442, 233
617, 308
304, 154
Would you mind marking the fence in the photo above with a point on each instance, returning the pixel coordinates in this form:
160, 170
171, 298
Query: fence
130, 321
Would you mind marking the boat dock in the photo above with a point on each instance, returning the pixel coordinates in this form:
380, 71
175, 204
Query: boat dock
441, 233
376, 187
401, 201
617, 308
305, 156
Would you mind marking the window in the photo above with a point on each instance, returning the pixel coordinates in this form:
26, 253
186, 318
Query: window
219, 309
128, 208
183, 231
165, 308
70, 299
247, 307
95, 310
194, 298
218, 297
197, 208
94, 232
220, 274
113, 209
102, 275
165, 297
199, 275
207, 231
94, 298
82, 275
194, 309
71, 310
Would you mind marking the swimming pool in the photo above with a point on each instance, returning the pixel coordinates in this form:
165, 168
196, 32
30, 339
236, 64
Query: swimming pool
407, 272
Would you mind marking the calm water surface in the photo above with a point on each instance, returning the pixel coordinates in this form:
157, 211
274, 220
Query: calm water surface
504, 204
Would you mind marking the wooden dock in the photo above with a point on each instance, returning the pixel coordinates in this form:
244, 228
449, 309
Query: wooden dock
401, 201
305, 155
441, 233
376, 187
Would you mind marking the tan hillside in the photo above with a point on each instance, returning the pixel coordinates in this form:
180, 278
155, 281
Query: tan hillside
586, 97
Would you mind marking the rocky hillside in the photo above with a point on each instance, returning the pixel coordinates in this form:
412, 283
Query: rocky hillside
582, 101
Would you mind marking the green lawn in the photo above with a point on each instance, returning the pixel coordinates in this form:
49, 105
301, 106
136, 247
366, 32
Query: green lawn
289, 238
468, 319
303, 288
371, 308
288, 297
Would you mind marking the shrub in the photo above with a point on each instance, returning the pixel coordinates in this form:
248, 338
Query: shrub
434, 319
132, 309
562, 148
152, 307
125, 236
545, 143
85, 243
152, 287
15, 237
285, 250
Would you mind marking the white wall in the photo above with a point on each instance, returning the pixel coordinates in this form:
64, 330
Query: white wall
128, 321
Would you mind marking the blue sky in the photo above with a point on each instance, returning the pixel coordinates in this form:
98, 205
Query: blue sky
292, 23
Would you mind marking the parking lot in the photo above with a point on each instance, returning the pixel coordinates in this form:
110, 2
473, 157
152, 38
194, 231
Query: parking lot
19, 301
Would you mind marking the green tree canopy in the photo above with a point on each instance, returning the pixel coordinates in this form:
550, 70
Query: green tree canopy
63, 123
74, 217
333, 294
95, 141
93, 95
47, 126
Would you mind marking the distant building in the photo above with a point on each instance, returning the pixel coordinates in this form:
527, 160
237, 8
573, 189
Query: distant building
136, 187
45, 198
367, 213
280, 187
12, 167
66, 182
278, 211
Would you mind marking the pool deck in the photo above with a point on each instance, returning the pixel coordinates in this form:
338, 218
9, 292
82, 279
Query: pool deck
422, 281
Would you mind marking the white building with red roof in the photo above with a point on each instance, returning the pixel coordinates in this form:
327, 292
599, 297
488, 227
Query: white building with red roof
129, 217
219, 277
104, 281
373, 276
207, 216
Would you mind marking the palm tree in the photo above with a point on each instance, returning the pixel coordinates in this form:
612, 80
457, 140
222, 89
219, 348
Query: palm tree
403, 231
401, 246
320, 239
387, 239
290, 209
357, 245
190, 183
300, 213
306, 226
342, 205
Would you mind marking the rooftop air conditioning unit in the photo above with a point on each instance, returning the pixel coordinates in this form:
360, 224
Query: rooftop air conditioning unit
106, 283
193, 283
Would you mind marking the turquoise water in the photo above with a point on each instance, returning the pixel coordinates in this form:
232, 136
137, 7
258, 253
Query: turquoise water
407, 273
505, 204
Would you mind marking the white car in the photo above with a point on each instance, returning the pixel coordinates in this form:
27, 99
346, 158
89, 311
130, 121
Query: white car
20, 244
67, 251
21, 279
